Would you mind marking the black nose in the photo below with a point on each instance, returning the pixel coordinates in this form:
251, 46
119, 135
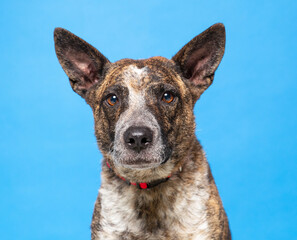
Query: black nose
138, 138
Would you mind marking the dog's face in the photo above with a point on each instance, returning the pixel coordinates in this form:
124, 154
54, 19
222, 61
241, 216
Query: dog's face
143, 117
143, 109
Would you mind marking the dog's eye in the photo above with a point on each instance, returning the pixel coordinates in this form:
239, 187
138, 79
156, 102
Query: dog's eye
112, 99
168, 97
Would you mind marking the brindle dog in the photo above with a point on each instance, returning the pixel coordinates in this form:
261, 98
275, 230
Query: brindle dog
156, 181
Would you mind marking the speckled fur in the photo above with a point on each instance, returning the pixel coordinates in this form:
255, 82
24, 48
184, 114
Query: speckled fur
188, 205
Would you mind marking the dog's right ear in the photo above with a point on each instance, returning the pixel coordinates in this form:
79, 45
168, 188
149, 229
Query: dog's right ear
82, 63
199, 59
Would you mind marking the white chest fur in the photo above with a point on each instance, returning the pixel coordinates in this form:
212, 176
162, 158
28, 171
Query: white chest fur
184, 219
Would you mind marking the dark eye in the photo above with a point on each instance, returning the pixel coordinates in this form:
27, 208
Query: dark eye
168, 97
112, 100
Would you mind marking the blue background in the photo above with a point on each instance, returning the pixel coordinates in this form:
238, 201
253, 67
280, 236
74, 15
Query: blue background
246, 121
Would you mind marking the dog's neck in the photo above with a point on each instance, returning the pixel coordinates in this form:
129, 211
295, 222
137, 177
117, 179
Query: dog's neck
142, 185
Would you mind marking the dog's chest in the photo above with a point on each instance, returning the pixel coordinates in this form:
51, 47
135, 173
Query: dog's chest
178, 213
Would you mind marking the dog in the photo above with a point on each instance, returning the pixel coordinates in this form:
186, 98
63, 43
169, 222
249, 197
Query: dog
156, 183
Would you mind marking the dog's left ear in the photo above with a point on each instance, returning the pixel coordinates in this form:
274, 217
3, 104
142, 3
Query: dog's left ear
199, 59
83, 63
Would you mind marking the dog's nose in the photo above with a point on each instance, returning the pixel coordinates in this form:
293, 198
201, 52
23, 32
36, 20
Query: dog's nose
138, 138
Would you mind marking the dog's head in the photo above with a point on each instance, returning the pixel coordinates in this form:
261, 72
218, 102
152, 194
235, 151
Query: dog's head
143, 109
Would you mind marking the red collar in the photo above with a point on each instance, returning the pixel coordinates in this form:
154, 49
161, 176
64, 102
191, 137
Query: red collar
141, 185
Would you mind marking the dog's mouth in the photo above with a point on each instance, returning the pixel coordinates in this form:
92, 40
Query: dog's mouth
143, 162
139, 163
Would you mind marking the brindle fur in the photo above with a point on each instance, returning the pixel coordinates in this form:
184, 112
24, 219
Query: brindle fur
188, 205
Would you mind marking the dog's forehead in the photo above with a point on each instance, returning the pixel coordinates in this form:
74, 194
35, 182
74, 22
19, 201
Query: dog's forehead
138, 74
136, 78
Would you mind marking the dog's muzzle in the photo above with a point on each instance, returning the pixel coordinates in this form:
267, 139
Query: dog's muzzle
138, 142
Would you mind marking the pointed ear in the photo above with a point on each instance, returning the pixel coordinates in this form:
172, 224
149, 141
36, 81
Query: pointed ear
82, 62
199, 59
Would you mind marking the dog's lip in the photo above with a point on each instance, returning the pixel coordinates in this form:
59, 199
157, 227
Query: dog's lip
140, 164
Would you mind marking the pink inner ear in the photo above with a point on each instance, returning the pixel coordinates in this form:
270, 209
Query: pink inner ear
198, 64
84, 67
